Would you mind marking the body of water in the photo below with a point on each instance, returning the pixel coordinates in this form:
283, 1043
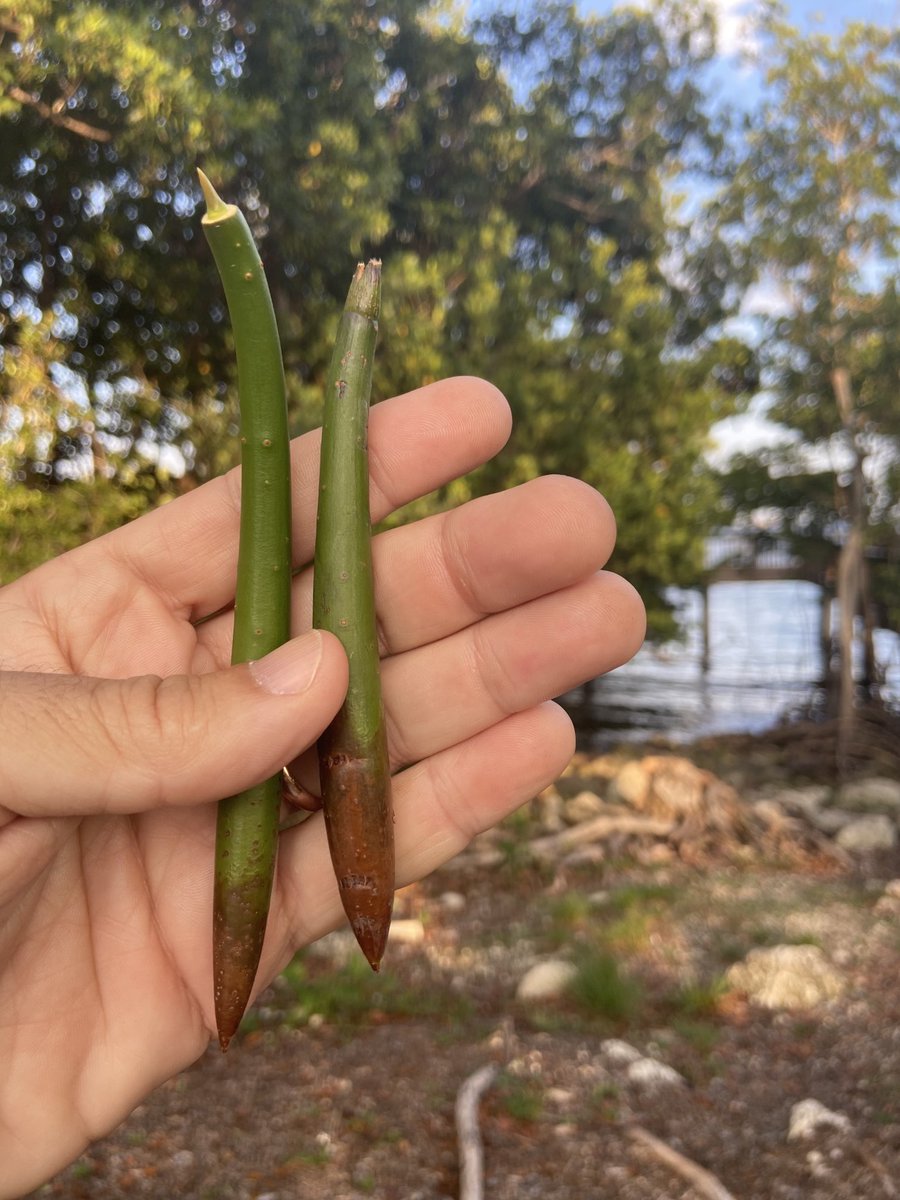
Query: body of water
765, 662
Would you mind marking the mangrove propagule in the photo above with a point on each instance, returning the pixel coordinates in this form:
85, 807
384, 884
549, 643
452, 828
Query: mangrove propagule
354, 770
247, 824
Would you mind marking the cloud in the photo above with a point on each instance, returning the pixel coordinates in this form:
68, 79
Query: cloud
737, 26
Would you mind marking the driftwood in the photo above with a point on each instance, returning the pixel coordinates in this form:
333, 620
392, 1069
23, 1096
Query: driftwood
471, 1150
698, 1177
556, 844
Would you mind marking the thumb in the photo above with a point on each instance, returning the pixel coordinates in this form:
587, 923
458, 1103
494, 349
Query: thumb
73, 745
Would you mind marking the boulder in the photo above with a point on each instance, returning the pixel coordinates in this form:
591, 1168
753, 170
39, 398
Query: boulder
864, 835
805, 800
792, 977
871, 795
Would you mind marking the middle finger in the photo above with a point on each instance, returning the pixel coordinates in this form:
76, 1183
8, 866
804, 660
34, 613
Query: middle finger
446, 572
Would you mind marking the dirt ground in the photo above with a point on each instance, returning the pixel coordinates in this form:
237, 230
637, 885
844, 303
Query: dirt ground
343, 1084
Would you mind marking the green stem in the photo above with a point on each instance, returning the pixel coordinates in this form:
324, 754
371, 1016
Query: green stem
247, 825
353, 758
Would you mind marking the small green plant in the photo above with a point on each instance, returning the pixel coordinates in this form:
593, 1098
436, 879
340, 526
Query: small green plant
700, 998
701, 1036
350, 993
523, 1099
604, 990
605, 1101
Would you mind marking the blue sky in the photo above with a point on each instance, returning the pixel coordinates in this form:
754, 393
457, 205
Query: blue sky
829, 15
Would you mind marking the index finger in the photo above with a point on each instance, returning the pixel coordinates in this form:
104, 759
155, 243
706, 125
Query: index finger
187, 550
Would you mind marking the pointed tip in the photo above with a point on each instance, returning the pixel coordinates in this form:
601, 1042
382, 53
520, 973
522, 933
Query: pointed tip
372, 934
216, 208
224, 1041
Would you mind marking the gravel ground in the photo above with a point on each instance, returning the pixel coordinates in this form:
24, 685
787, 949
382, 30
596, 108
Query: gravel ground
344, 1085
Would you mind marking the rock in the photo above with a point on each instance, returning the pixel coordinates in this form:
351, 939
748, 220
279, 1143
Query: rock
786, 977
864, 835
771, 813
606, 766
561, 1097
546, 980
183, 1159
407, 932
892, 889
452, 902
582, 807
830, 820
671, 788
620, 1052
808, 1116
650, 1073
631, 785
866, 795
805, 800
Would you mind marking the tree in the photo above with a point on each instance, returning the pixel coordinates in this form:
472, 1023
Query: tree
515, 176
811, 210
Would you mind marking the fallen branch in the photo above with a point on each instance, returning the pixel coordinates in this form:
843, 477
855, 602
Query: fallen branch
471, 1150
887, 1183
698, 1177
556, 844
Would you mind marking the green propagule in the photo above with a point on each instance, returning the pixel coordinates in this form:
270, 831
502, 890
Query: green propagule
354, 767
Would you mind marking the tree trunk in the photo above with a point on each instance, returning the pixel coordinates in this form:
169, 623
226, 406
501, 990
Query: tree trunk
850, 565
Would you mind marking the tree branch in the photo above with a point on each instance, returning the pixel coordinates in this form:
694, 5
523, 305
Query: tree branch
81, 128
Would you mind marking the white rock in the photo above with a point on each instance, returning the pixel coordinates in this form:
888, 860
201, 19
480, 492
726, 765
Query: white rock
807, 1116
650, 1073
864, 795
546, 980
830, 820
183, 1159
621, 1052
453, 902
786, 977
865, 834
409, 932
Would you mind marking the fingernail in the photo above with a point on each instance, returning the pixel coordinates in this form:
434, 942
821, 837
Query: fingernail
291, 668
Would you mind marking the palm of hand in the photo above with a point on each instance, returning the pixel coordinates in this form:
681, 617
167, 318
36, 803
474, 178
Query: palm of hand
105, 957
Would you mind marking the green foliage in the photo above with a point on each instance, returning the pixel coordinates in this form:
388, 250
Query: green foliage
350, 993
605, 990
514, 174
811, 212
522, 1098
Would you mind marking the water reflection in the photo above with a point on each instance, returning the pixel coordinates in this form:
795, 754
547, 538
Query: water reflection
765, 662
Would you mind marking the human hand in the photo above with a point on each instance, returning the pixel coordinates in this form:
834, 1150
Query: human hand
121, 725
